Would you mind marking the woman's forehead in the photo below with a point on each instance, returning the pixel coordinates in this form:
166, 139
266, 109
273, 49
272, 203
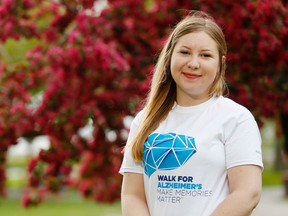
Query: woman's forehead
199, 39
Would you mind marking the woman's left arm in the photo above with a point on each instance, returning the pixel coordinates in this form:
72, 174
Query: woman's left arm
245, 184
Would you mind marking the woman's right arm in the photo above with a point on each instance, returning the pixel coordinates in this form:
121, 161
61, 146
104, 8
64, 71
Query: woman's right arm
133, 199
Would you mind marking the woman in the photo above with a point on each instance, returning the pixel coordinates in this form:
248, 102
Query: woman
192, 151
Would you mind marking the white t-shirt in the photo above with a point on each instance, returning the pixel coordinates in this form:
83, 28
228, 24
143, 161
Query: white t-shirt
186, 158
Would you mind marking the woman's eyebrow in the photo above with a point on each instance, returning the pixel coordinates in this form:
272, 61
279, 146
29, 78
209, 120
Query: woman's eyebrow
208, 50
203, 50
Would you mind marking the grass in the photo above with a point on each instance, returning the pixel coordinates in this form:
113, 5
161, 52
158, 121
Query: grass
272, 177
70, 205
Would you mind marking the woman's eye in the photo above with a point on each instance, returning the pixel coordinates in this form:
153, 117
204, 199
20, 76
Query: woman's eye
205, 55
184, 52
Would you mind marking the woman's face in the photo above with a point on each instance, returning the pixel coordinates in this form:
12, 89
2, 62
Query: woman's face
194, 65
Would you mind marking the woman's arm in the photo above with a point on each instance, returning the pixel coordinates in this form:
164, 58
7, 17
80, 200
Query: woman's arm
245, 184
133, 200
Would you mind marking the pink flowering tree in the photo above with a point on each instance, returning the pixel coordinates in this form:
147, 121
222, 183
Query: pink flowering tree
91, 68
81, 78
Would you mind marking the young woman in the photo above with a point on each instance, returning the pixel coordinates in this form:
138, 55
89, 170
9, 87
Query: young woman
192, 151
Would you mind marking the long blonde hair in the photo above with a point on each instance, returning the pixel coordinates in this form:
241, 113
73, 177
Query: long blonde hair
162, 95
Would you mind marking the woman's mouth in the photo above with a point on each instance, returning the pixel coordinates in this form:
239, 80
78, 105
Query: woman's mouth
191, 76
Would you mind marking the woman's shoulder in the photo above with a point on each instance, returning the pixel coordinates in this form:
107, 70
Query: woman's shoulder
138, 117
231, 107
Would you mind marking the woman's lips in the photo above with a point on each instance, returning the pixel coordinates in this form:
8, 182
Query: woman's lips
191, 76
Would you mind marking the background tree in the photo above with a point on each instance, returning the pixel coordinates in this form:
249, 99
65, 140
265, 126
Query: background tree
90, 68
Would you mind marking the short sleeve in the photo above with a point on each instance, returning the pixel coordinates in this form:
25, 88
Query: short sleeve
243, 147
128, 163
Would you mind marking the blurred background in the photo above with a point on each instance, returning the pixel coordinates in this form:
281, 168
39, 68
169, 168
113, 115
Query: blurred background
74, 73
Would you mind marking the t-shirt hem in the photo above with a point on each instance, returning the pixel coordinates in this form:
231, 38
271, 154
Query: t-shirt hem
246, 163
125, 170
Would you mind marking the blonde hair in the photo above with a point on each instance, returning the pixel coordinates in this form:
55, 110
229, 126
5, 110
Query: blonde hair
162, 94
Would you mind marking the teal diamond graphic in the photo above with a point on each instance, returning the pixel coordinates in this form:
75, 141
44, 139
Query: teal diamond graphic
167, 152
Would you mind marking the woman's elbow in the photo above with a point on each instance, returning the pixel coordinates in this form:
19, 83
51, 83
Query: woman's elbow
254, 199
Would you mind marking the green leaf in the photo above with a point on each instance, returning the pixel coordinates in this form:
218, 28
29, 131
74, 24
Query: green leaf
14, 51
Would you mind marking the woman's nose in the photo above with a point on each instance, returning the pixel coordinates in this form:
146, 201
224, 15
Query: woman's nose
193, 63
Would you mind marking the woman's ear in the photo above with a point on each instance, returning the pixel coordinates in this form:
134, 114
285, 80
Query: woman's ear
223, 59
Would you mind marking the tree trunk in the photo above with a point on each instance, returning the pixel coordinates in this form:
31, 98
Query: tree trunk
284, 124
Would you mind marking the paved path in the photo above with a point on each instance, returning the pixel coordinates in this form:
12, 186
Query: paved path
272, 203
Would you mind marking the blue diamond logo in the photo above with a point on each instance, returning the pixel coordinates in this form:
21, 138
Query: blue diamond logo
167, 152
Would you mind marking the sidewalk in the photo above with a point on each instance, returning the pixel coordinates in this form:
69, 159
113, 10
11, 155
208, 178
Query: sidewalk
272, 203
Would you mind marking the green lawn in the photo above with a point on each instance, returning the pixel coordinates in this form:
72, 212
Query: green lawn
70, 206
272, 177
